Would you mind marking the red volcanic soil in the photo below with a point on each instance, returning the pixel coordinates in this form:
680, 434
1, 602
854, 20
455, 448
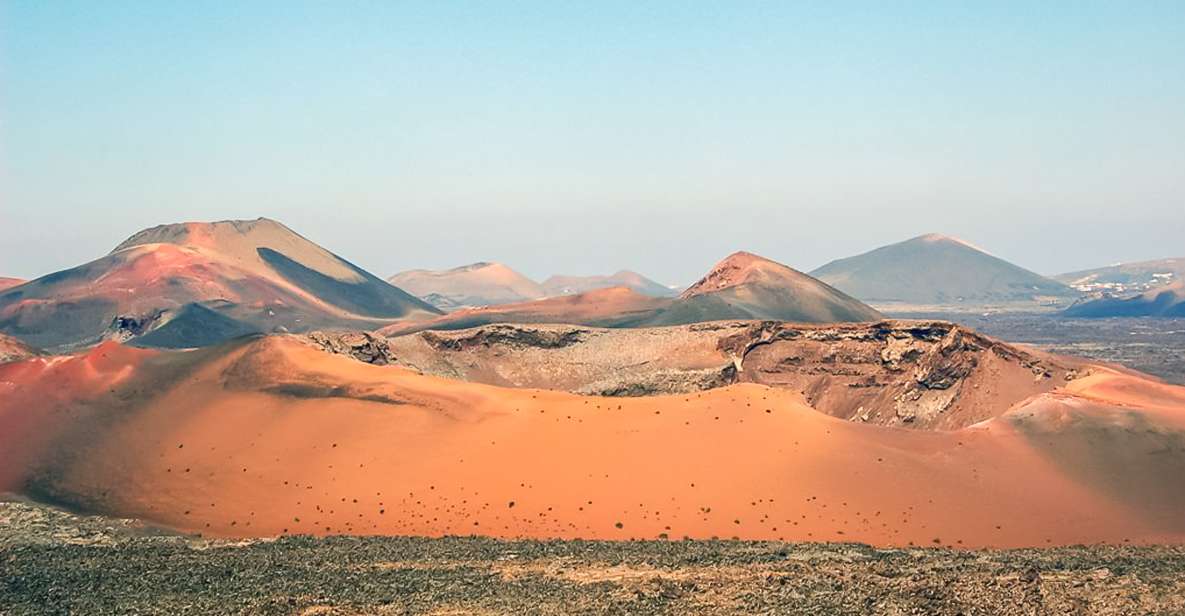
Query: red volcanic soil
38, 399
6, 283
272, 436
617, 306
737, 269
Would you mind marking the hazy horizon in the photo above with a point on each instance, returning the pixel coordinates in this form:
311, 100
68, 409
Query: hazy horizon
587, 139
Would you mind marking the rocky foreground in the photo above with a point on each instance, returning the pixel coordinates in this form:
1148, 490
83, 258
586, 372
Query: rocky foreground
52, 562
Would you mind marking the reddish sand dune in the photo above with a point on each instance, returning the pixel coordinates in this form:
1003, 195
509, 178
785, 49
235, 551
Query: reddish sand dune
39, 402
272, 436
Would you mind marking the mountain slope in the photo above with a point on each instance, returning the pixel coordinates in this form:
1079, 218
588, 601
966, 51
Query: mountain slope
572, 285
1163, 301
477, 284
271, 436
258, 273
747, 286
194, 325
1126, 277
12, 349
6, 283
742, 286
927, 375
935, 269
616, 307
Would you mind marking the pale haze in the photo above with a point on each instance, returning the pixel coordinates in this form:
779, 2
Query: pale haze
584, 138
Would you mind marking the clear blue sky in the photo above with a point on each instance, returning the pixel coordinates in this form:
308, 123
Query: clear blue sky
587, 137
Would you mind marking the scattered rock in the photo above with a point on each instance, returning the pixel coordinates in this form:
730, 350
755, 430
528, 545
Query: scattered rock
362, 346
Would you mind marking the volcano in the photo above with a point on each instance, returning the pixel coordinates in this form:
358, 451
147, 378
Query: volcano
742, 286
937, 270
573, 285
271, 435
257, 275
747, 286
478, 284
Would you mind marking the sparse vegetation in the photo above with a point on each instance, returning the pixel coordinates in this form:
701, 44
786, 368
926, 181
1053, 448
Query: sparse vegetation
54, 562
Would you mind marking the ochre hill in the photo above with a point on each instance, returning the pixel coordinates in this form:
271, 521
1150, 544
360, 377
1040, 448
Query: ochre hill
272, 436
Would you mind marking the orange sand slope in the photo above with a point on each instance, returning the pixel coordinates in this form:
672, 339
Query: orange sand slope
269, 436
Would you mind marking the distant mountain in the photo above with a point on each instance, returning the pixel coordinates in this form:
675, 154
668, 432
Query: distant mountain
747, 286
6, 283
1126, 277
615, 307
742, 286
571, 285
478, 284
938, 270
1163, 301
256, 275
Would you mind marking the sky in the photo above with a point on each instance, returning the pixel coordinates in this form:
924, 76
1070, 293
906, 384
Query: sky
586, 137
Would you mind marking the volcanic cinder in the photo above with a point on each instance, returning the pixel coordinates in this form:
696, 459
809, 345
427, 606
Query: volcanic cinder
917, 374
761, 403
273, 435
12, 349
